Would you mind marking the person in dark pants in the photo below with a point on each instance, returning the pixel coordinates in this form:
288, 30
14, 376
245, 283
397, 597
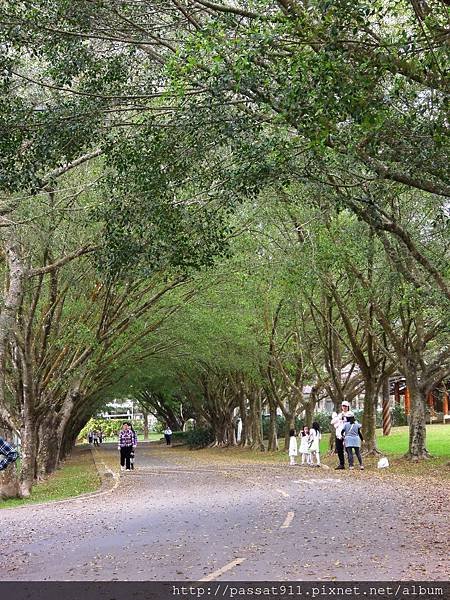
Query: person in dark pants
352, 440
168, 435
133, 454
338, 421
127, 443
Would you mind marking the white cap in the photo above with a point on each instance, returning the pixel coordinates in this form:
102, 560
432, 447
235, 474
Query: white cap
345, 403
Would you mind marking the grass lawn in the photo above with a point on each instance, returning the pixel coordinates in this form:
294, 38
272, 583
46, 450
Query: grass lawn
77, 475
393, 446
438, 440
396, 444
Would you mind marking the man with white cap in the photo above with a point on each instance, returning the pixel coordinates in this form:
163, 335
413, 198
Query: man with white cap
338, 421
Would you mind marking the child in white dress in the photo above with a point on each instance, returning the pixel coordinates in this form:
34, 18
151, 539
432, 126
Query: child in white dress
304, 448
292, 447
314, 443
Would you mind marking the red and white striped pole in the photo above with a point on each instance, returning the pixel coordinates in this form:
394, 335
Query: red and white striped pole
387, 420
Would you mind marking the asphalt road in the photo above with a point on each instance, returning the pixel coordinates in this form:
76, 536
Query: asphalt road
177, 518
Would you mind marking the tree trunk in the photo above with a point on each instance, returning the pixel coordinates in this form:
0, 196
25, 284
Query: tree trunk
9, 483
219, 426
231, 430
369, 418
255, 421
290, 424
47, 447
145, 415
52, 429
28, 455
309, 414
273, 429
417, 424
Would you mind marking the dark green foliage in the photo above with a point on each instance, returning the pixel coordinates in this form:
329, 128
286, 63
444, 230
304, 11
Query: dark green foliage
398, 416
109, 427
322, 418
180, 437
199, 438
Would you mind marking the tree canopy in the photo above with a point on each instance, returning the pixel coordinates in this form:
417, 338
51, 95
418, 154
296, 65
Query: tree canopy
214, 206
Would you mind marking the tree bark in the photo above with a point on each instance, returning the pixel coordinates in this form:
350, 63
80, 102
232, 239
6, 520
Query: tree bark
9, 482
255, 421
47, 453
290, 424
309, 413
145, 416
369, 418
273, 428
417, 424
28, 453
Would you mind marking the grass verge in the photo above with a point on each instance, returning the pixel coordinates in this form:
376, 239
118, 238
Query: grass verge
76, 476
393, 446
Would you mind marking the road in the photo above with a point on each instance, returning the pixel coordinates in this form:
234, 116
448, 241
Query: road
178, 518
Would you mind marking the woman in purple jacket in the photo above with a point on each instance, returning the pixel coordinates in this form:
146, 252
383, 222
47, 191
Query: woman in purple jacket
127, 443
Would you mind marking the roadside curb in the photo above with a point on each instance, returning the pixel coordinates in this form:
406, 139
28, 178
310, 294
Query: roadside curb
109, 482
108, 477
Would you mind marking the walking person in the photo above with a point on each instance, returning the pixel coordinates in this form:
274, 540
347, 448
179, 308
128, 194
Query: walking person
314, 443
133, 451
304, 446
127, 443
168, 435
338, 421
9, 454
292, 447
352, 440
95, 438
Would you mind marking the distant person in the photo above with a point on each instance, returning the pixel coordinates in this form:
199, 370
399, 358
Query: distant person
127, 443
90, 437
8, 452
95, 438
338, 420
168, 435
238, 430
100, 436
133, 451
292, 447
130, 425
304, 446
314, 443
352, 440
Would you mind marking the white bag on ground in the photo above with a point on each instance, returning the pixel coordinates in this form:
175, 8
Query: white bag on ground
383, 463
